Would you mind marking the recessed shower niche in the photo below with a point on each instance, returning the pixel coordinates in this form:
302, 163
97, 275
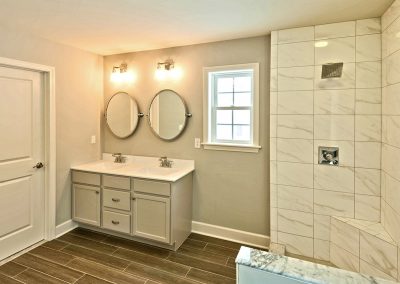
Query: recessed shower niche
328, 156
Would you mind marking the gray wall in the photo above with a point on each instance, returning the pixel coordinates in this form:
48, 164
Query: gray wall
78, 98
230, 189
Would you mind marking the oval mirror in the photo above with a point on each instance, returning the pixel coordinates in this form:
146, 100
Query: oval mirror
122, 115
168, 115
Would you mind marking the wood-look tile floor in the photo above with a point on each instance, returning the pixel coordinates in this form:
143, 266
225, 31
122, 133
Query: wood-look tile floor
86, 257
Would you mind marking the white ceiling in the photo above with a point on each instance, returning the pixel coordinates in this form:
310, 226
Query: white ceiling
118, 26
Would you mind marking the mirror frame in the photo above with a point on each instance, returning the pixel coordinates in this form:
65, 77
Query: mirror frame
187, 115
140, 115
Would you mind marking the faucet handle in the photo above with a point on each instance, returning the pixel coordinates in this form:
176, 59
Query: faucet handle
163, 158
117, 154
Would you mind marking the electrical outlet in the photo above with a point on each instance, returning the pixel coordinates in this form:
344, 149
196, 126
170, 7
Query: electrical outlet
197, 143
93, 139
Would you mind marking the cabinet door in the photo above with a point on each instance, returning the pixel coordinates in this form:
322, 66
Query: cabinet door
151, 217
86, 204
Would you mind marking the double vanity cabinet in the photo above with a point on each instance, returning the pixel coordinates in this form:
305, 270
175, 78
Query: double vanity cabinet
137, 199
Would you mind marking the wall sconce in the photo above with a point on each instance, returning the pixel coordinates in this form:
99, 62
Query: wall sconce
167, 69
120, 74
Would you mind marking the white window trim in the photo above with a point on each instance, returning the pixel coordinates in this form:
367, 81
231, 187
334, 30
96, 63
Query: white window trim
207, 144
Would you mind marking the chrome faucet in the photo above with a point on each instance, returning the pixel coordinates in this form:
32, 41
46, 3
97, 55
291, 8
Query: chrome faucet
165, 163
118, 158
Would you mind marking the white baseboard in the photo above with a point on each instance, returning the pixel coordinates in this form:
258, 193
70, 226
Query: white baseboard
257, 240
65, 228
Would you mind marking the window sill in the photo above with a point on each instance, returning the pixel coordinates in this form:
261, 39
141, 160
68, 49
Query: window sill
232, 147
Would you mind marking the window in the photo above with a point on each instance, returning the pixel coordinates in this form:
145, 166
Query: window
231, 108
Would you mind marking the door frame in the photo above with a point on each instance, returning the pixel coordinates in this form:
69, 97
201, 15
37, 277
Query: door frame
48, 85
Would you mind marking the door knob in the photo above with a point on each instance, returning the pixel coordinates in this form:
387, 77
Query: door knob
39, 165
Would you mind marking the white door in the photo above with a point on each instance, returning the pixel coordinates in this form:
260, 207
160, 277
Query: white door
21, 148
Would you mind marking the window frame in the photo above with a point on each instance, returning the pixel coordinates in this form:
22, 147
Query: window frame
209, 109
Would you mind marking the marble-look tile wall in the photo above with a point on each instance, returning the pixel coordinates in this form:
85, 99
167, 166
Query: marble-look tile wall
364, 247
307, 112
390, 181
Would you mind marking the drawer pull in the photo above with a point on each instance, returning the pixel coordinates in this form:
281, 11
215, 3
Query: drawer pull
115, 222
115, 199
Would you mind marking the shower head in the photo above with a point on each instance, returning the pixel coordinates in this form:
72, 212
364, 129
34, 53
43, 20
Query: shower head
332, 70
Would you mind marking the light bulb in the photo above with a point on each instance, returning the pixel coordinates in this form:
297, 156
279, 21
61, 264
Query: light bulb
161, 74
175, 73
321, 44
116, 77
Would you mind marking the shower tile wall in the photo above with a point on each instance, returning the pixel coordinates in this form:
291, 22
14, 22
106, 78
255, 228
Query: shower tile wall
391, 121
307, 112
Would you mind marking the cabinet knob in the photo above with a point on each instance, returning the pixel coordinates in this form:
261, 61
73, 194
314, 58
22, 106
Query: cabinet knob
115, 222
115, 199
97, 192
133, 198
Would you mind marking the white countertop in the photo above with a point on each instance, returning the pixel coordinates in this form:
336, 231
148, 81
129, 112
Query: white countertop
139, 167
302, 270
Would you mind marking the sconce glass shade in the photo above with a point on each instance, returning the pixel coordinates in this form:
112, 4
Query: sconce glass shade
168, 70
121, 74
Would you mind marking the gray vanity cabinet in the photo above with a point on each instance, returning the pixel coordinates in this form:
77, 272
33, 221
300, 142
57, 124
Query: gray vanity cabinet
152, 211
86, 198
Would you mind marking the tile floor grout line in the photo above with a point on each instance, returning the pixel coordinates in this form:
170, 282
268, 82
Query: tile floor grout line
109, 267
190, 268
47, 274
80, 245
26, 268
119, 247
213, 252
84, 274
220, 275
69, 261
164, 271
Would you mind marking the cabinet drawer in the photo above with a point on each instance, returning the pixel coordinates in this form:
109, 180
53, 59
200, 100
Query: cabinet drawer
117, 221
117, 182
84, 177
117, 199
154, 187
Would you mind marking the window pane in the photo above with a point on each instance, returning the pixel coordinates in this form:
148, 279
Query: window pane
225, 85
225, 99
224, 132
241, 117
241, 132
243, 84
243, 99
224, 117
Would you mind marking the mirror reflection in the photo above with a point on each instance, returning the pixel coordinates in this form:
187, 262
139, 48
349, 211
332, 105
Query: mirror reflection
122, 115
168, 115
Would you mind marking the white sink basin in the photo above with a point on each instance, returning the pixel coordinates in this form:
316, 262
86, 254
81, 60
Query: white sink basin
158, 171
99, 166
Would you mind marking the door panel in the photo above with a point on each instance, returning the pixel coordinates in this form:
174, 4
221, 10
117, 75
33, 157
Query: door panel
152, 217
21, 147
16, 114
15, 205
86, 204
